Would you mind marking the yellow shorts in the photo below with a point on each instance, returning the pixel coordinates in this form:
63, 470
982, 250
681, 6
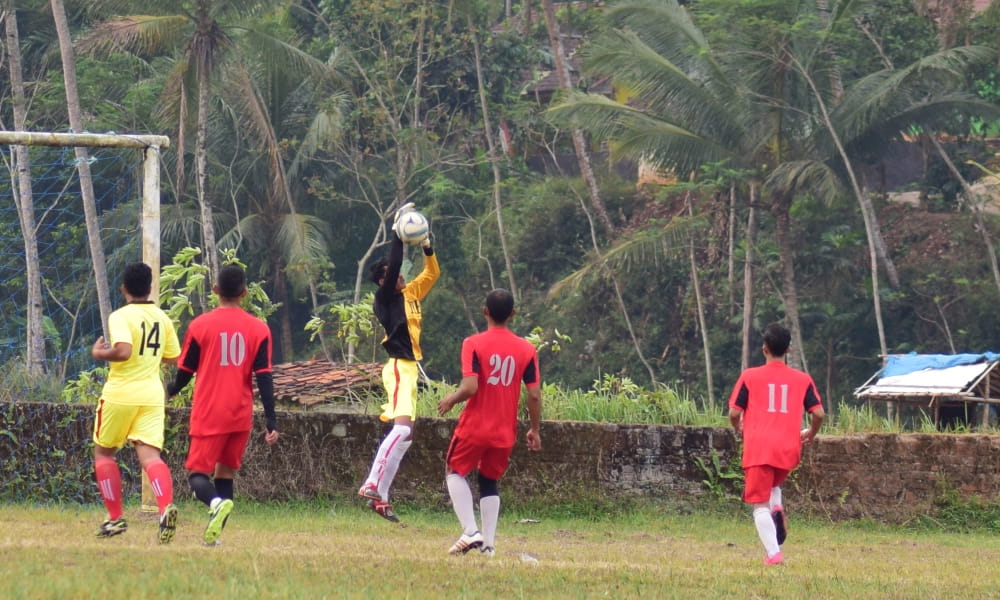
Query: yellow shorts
116, 424
399, 376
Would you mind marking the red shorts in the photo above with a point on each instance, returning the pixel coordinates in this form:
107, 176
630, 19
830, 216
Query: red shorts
464, 456
208, 450
759, 480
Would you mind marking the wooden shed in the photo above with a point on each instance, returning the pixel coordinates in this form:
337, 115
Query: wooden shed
936, 382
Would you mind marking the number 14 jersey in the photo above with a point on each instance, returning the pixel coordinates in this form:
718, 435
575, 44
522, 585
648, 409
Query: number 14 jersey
501, 361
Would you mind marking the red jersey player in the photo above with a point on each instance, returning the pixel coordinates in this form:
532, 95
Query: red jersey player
494, 365
766, 408
224, 347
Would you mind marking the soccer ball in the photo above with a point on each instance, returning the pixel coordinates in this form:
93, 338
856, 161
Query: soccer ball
412, 227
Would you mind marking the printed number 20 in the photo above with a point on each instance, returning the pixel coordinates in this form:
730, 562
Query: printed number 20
784, 398
501, 370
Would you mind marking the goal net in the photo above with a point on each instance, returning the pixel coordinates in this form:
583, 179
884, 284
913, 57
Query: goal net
45, 239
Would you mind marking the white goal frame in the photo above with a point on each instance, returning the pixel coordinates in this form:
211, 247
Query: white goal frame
149, 144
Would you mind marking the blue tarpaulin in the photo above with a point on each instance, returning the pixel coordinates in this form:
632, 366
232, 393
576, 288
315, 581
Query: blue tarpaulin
901, 364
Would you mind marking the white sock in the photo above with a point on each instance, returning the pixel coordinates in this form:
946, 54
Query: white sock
489, 512
392, 461
765, 530
461, 501
775, 497
379, 470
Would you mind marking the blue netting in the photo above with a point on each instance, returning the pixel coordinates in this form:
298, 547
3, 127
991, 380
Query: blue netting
69, 296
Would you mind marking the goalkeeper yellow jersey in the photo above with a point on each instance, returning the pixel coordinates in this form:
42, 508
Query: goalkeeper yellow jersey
137, 381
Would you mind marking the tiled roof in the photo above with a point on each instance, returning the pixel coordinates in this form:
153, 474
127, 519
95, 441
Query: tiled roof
315, 381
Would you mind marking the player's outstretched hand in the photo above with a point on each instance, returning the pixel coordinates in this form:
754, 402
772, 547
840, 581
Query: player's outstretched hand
426, 243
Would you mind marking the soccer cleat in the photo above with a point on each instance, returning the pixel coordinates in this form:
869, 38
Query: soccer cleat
466, 543
383, 509
780, 524
168, 524
368, 490
777, 559
217, 518
111, 528
488, 551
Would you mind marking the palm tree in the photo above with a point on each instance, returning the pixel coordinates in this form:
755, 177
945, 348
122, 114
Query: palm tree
756, 104
210, 36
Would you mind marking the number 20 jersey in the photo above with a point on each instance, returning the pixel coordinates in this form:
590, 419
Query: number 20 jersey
501, 361
224, 348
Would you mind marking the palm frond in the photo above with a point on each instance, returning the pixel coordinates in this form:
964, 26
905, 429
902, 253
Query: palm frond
142, 35
642, 249
886, 94
804, 177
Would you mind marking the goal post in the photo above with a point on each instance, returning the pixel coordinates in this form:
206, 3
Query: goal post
150, 146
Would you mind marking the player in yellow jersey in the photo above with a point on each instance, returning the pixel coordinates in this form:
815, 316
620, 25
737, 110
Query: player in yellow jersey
130, 409
397, 307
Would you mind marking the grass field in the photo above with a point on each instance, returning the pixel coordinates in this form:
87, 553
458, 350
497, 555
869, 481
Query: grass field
340, 550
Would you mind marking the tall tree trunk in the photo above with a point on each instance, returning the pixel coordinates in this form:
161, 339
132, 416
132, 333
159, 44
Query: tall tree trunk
82, 163
35, 355
579, 143
748, 276
208, 241
494, 162
731, 260
790, 294
696, 283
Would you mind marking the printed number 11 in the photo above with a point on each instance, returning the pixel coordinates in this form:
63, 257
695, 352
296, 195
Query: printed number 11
784, 397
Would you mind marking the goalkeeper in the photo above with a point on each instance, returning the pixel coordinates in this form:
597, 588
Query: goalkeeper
397, 307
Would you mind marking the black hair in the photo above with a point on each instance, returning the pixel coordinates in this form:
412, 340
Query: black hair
777, 339
500, 305
232, 281
137, 279
378, 268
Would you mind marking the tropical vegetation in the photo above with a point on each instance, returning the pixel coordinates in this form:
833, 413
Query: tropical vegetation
655, 180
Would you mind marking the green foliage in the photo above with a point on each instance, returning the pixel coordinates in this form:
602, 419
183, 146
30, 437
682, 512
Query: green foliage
951, 512
86, 386
724, 481
18, 383
354, 326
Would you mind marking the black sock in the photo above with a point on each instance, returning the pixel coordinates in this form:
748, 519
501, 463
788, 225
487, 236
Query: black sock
225, 487
202, 487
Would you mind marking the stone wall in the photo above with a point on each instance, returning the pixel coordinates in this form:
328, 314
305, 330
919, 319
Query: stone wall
881, 476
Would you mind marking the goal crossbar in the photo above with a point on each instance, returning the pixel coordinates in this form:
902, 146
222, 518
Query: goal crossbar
149, 144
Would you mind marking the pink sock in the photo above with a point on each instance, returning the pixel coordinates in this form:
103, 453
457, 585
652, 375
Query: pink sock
160, 481
109, 483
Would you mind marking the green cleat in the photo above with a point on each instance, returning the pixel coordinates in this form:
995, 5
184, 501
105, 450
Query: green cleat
111, 528
217, 520
168, 524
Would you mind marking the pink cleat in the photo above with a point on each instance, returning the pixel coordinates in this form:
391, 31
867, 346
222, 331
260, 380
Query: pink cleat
776, 559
